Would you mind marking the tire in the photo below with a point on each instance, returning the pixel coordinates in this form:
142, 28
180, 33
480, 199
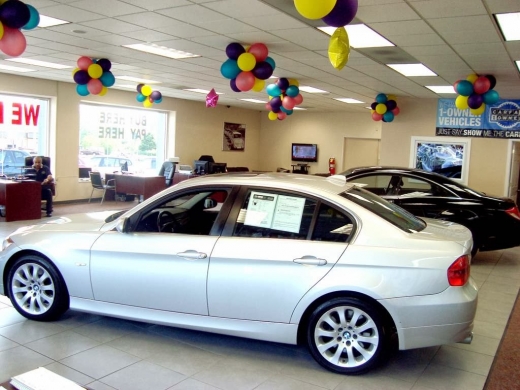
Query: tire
334, 332
36, 289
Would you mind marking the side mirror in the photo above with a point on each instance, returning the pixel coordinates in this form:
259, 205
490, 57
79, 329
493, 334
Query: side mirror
122, 225
210, 203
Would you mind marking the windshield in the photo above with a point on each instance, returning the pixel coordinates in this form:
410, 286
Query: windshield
387, 210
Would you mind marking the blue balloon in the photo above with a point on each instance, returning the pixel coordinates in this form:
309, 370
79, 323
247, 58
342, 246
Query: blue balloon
140, 97
464, 88
388, 116
292, 91
107, 79
82, 90
491, 97
381, 98
158, 100
34, 18
230, 69
271, 62
273, 90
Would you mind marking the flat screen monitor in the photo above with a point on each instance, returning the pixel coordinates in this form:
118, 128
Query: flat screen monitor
304, 152
218, 168
201, 167
84, 173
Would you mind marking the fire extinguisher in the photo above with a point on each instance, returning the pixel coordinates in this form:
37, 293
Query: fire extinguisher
332, 166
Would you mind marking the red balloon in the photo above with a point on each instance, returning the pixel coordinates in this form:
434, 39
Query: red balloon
245, 81
376, 116
455, 85
94, 86
84, 62
259, 50
298, 99
481, 85
13, 42
281, 115
288, 103
396, 111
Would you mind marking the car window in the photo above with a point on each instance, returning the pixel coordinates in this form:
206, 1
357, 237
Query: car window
19, 158
332, 225
414, 186
373, 183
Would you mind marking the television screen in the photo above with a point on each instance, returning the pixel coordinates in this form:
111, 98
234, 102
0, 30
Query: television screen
304, 152
218, 167
201, 167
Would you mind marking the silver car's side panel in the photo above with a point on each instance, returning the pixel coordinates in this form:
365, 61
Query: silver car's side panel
267, 331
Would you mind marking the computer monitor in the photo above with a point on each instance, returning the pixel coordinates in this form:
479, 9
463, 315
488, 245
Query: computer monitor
201, 167
124, 167
218, 168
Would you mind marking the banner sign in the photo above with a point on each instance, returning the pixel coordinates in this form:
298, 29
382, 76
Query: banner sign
499, 120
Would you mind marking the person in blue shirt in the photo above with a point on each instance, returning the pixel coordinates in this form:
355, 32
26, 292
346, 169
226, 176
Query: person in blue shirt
43, 174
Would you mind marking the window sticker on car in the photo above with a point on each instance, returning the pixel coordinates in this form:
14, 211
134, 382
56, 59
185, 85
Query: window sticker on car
260, 210
288, 213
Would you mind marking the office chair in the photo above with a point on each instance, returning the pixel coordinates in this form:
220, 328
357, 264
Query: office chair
167, 170
394, 186
97, 184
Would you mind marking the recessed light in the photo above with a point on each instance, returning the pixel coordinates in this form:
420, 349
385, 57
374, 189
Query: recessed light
312, 90
161, 51
441, 88
254, 101
360, 36
348, 100
508, 24
201, 91
79, 31
44, 64
137, 80
16, 69
47, 21
412, 70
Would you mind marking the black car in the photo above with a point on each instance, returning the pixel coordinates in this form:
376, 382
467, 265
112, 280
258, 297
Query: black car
494, 221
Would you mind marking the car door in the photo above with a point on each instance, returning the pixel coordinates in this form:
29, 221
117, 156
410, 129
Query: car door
164, 270
277, 245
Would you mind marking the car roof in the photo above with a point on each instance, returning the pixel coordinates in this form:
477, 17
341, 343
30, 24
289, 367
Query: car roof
391, 169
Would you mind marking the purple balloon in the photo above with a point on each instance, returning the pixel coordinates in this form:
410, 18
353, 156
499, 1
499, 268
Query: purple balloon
374, 105
342, 13
156, 95
276, 103
233, 50
105, 64
475, 101
138, 88
233, 85
283, 83
81, 77
492, 81
263, 70
14, 14
390, 105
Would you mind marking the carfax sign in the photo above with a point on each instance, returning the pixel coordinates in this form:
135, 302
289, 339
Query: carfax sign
499, 120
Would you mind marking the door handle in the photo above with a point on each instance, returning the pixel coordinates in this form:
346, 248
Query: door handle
192, 255
310, 260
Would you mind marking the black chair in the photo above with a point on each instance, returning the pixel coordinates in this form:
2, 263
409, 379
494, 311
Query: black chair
97, 184
394, 186
167, 170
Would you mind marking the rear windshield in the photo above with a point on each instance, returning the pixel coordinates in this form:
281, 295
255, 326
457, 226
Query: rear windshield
387, 210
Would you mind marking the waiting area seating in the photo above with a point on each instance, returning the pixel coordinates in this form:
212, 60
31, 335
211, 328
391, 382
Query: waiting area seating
98, 184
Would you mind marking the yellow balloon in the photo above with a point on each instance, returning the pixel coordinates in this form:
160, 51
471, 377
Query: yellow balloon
95, 71
472, 77
372, 111
246, 62
259, 85
272, 116
339, 48
314, 9
392, 97
146, 90
2, 1
381, 108
104, 91
461, 102
74, 71
294, 82
147, 103
1, 30
478, 111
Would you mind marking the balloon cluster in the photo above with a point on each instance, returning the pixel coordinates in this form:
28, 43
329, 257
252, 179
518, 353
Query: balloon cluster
16, 15
384, 108
335, 13
284, 95
93, 76
147, 96
247, 69
475, 92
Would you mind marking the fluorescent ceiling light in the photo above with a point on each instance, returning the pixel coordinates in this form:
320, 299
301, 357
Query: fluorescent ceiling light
518, 65
47, 21
508, 24
348, 100
16, 69
299, 108
137, 80
312, 90
360, 36
411, 70
30, 61
161, 51
254, 101
441, 88
201, 91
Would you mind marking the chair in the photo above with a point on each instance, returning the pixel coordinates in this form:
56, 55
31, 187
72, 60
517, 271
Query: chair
167, 170
97, 184
394, 186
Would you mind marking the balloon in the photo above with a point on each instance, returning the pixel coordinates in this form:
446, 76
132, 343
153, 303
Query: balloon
103, 92
396, 111
272, 116
233, 85
230, 69
271, 62
233, 50
211, 98
288, 102
139, 87
105, 64
373, 106
475, 101
146, 90
81, 77
1, 30
376, 116
491, 97
34, 18
492, 81
268, 106
245, 81
465, 88
294, 82
259, 50
273, 90
13, 41
381, 108
481, 85
107, 79
259, 85
276, 103
312, 9
84, 62
455, 85
263, 70
292, 91
156, 95
478, 111
381, 98
140, 97
388, 116
461, 102
391, 97
14, 14
390, 105
339, 48
246, 62
147, 103
298, 99
282, 83
342, 13
82, 90
94, 86
158, 100
95, 71
281, 115
472, 77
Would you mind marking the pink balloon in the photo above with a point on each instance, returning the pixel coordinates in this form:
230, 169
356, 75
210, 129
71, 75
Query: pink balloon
396, 111
259, 50
281, 115
245, 81
13, 42
94, 86
376, 116
288, 103
298, 99
84, 62
268, 106
481, 85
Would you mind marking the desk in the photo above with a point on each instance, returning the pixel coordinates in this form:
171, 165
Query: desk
22, 199
146, 186
300, 168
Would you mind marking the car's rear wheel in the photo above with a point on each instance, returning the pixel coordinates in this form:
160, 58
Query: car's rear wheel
346, 335
36, 289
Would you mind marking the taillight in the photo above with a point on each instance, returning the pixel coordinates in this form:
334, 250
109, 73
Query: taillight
513, 212
458, 273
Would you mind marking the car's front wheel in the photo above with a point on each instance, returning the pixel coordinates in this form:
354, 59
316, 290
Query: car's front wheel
36, 289
346, 335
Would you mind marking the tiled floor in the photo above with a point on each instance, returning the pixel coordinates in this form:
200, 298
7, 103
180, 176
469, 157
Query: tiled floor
106, 353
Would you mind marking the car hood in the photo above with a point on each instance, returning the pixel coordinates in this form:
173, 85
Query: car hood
437, 229
76, 222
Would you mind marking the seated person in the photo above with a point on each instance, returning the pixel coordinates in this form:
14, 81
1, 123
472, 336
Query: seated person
43, 174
